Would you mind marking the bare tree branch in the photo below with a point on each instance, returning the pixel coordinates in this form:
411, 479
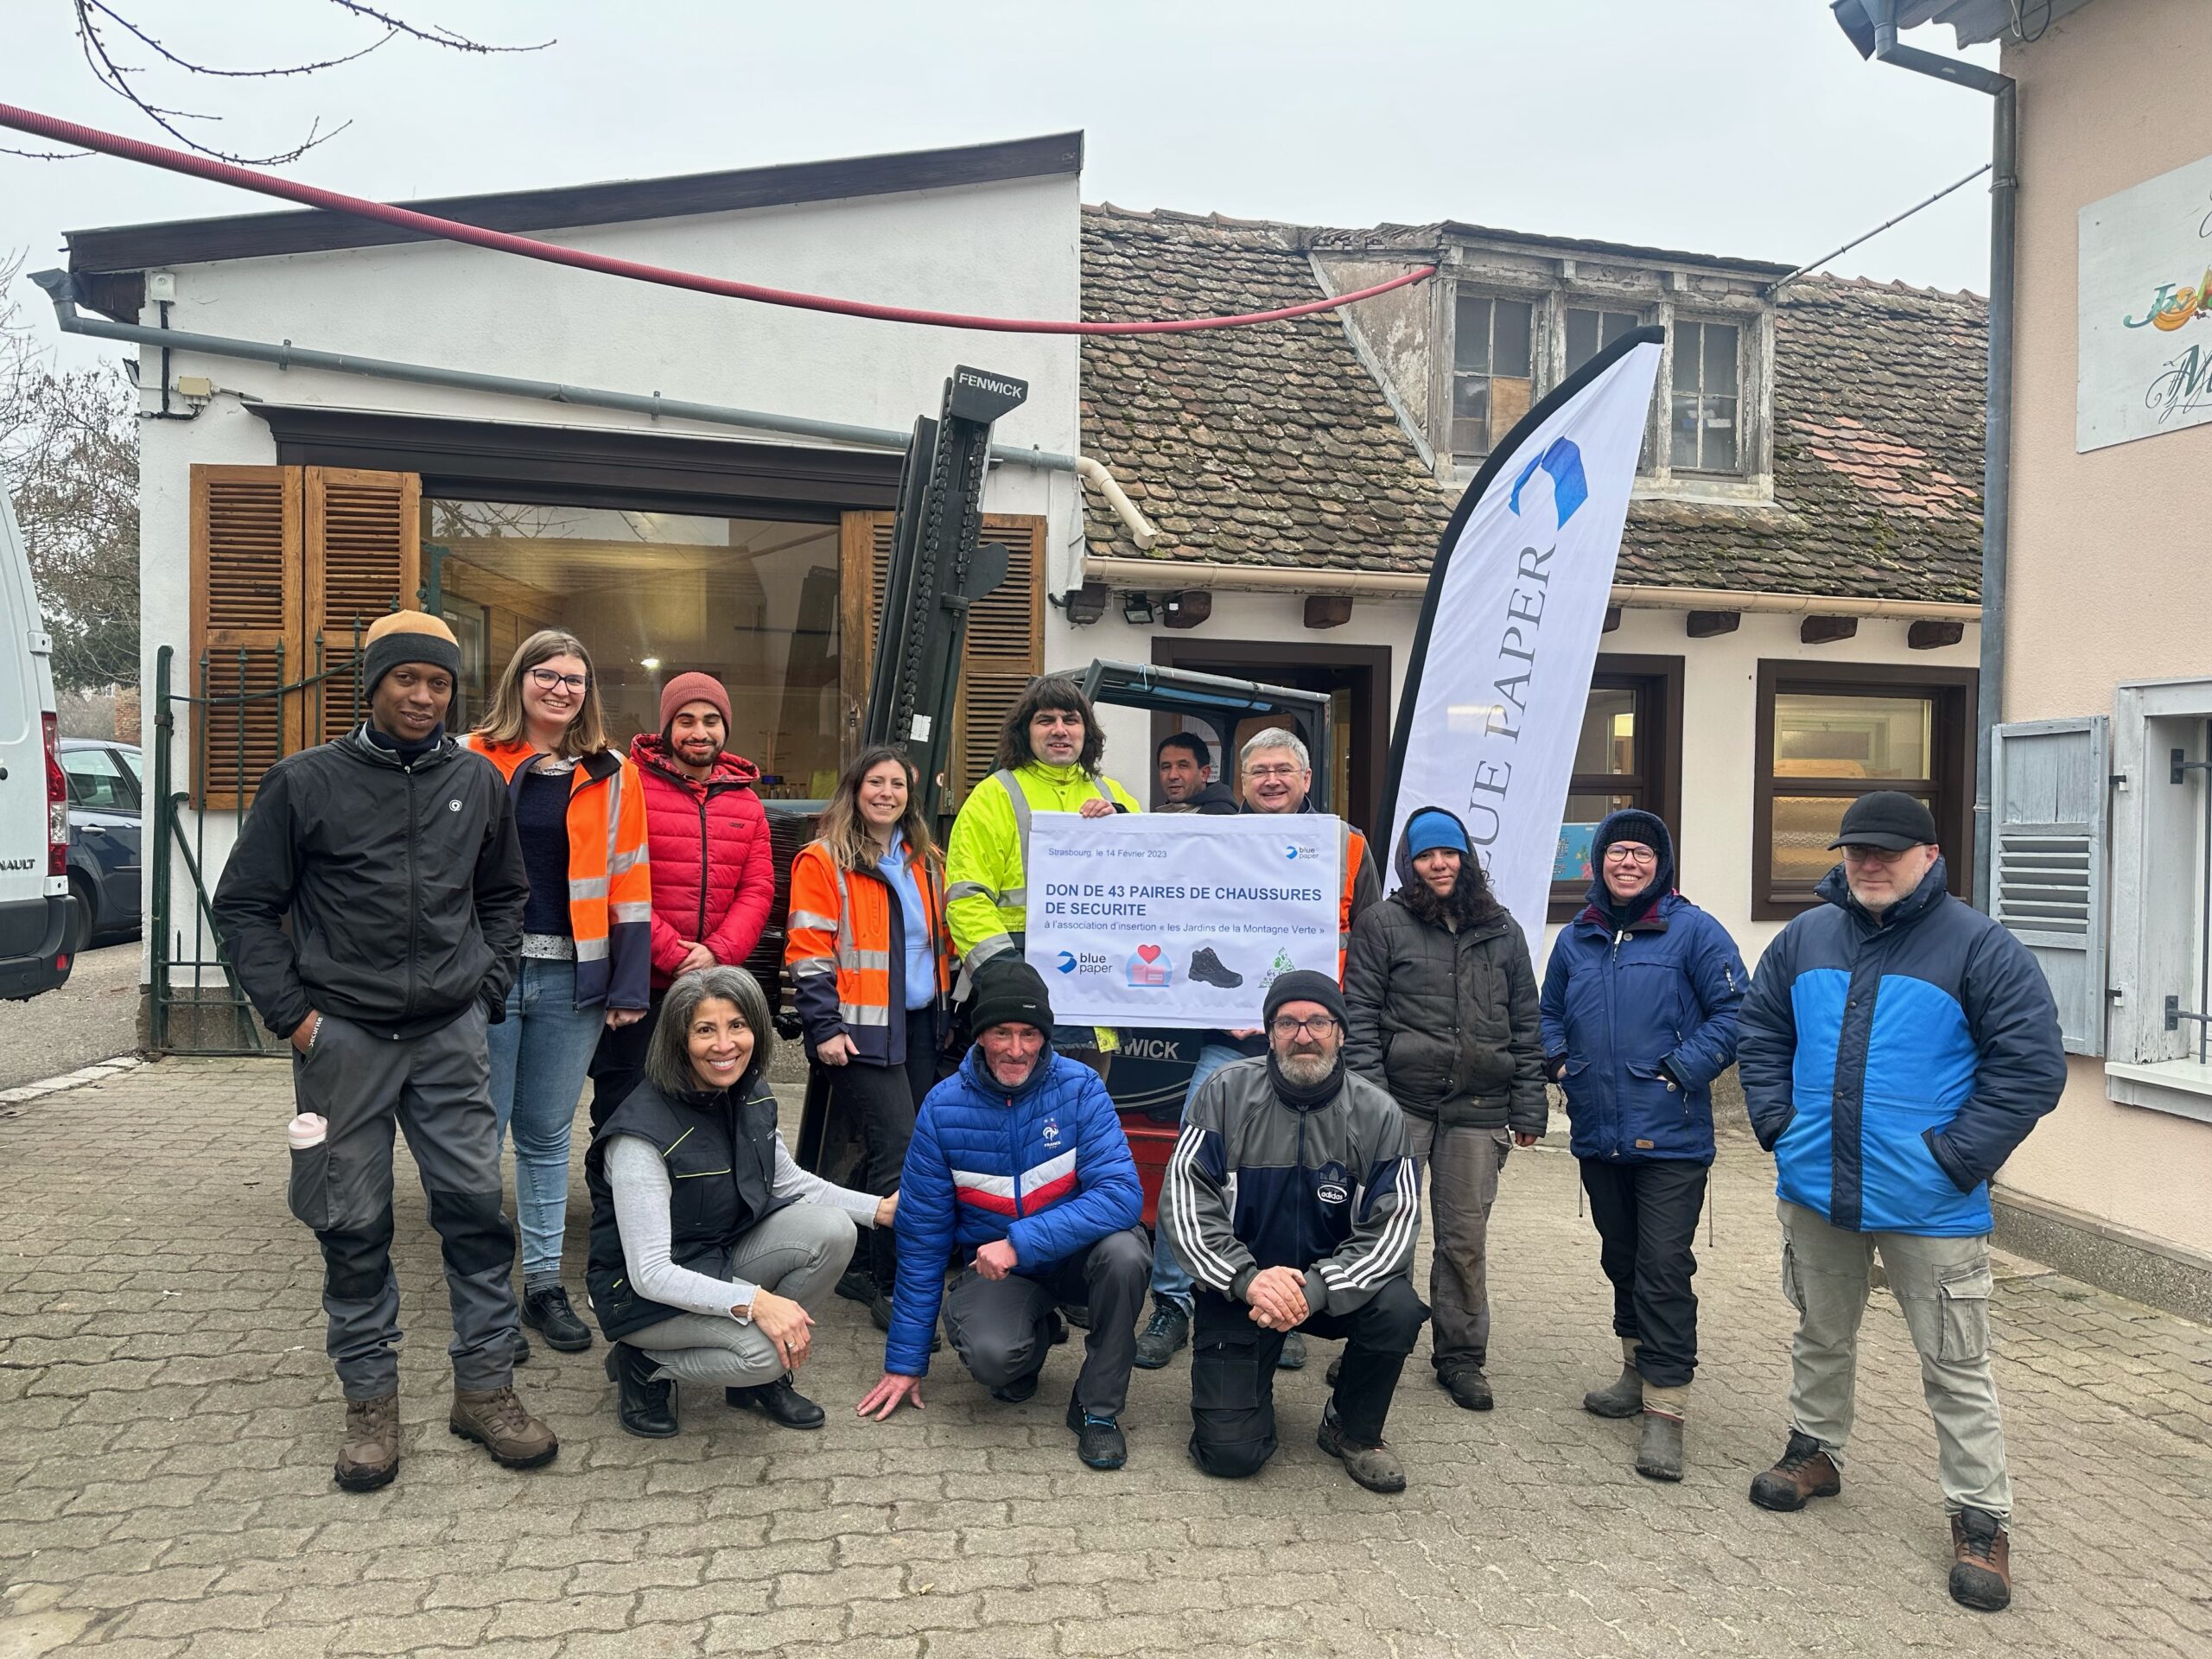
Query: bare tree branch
83, 6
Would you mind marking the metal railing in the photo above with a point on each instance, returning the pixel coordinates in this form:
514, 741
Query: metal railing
194, 1003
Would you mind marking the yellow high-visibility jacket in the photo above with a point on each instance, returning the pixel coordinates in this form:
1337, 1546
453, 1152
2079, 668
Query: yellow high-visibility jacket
986, 894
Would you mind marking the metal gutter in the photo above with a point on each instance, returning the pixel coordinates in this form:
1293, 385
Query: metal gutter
61, 288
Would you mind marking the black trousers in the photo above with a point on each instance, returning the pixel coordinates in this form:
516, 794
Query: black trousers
1233, 1373
883, 1100
1003, 1328
1647, 1221
619, 1064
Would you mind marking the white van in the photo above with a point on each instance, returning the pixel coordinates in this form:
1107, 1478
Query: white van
34, 796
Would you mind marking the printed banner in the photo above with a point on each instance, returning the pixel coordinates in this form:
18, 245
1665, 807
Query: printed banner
2144, 330
1173, 918
1500, 673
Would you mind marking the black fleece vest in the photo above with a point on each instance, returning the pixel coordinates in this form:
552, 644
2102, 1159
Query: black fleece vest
721, 1152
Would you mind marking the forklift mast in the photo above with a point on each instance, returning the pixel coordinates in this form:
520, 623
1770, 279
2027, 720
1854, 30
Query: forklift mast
939, 567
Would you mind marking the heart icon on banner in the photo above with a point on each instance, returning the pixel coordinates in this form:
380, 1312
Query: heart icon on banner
1149, 952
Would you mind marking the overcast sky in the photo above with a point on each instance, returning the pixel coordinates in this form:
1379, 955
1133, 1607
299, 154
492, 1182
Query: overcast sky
1745, 127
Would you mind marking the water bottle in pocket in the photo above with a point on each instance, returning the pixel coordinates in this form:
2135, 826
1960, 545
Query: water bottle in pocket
309, 1195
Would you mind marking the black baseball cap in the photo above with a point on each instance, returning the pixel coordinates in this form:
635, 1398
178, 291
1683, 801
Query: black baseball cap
1888, 819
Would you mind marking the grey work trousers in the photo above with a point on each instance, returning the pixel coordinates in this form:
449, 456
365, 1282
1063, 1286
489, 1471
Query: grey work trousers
437, 1088
1003, 1328
1459, 1167
1943, 1286
798, 1253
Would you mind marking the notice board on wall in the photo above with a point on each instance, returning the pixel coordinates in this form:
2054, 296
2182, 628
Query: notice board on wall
2145, 326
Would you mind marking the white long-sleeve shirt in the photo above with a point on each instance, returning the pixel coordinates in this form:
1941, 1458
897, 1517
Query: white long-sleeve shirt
642, 1189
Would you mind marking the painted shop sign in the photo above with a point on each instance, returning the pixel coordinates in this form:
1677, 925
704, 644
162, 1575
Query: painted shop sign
2145, 329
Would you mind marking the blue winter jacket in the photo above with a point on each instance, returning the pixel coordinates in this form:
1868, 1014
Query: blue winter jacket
1630, 1010
1046, 1167
1891, 1064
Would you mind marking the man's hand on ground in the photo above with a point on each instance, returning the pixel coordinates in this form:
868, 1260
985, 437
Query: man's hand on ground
1278, 1299
889, 1394
303, 1038
996, 1260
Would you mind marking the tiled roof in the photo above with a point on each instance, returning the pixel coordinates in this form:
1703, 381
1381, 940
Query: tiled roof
1274, 445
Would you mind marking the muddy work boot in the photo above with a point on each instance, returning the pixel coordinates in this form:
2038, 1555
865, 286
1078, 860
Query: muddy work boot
1981, 1568
369, 1455
1623, 1396
498, 1423
1804, 1473
1376, 1468
1659, 1453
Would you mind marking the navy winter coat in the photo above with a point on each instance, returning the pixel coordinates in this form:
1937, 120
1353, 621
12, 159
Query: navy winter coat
1046, 1167
1626, 1009
1891, 1064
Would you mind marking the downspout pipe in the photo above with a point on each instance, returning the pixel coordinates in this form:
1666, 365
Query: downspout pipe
60, 287
1997, 434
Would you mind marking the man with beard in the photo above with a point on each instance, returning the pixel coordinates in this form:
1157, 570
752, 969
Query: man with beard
1443, 1004
1293, 1199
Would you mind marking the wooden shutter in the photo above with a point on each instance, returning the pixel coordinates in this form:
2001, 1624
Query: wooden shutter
1005, 647
363, 560
2048, 783
246, 590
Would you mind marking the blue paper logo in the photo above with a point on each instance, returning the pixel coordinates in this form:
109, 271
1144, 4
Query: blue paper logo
1570, 489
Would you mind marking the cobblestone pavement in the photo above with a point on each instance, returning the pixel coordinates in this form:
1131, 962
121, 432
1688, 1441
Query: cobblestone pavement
167, 1424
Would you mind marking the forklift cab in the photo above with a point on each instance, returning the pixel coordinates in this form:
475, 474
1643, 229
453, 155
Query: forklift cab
1151, 1069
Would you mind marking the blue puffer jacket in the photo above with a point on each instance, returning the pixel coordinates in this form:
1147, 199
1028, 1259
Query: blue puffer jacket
1046, 1167
1628, 1010
1892, 1064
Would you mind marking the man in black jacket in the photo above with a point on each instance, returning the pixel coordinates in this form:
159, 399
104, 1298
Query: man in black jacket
372, 910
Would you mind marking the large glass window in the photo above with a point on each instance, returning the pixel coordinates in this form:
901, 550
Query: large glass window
1492, 371
753, 601
1706, 425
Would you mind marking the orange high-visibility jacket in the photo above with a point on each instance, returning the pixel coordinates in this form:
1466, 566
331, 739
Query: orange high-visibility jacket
848, 961
610, 880
1351, 852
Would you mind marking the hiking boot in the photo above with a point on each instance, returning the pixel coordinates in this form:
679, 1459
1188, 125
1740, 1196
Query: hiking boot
780, 1401
878, 1310
1805, 1471
1623, 1396
1376, 1468
1022, 1390
1098, 1440
1468, 1387
369, 1455
1293, 1356
498, 1421
644, 1407
522, 1348
548, 1313
1170, 1329
1206, 969
1981, 1568
859, 1284
1659, 1453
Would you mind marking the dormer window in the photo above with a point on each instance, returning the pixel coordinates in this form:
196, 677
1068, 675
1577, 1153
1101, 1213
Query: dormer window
1493, 371
1707, 396
1589, 332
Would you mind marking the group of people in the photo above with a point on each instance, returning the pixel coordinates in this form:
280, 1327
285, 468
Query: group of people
456, 947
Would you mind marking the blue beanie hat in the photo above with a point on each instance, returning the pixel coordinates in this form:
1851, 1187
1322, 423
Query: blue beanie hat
1433, 827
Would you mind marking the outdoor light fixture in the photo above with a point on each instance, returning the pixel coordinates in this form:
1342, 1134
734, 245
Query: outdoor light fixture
1084, 604
1137, 609
1855, 21
1188, 608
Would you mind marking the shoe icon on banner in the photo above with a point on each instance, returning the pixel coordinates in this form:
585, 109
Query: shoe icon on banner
1149, 968
1206, 968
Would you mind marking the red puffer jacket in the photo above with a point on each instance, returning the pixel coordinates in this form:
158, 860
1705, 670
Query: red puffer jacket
713, 878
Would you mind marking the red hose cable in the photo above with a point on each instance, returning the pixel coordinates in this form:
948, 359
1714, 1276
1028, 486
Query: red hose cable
202, 167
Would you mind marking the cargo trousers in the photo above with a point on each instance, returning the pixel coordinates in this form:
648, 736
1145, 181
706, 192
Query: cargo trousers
1943, 1286
436, 1088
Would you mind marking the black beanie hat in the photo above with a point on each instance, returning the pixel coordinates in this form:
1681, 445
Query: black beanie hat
1305, 986
1009, 991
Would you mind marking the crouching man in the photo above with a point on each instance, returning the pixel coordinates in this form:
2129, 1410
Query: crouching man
1019, 1163
1319, 1238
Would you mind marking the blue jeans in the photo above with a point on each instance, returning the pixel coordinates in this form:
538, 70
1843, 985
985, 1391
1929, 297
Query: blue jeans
539, 1055
1170, 1280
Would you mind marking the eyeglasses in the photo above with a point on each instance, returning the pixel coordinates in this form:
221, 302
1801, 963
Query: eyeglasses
1320, 1026
1619, 853
548, 678
1271, 772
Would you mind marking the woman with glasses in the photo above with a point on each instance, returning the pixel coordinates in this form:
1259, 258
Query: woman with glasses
1442, 1005
587, 945
1639, 1017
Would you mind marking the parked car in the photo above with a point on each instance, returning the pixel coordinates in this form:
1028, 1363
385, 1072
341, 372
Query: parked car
104, 794
33, 809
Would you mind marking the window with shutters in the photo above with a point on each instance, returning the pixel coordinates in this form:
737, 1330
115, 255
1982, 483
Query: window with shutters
288, 565
2047, 839
1005, 647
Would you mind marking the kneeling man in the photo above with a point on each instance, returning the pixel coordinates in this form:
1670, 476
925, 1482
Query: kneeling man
1019, 1163
1318, 1238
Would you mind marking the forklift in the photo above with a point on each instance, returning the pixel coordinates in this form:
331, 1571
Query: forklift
939, 568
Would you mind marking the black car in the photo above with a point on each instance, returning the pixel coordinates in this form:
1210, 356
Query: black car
105, 789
